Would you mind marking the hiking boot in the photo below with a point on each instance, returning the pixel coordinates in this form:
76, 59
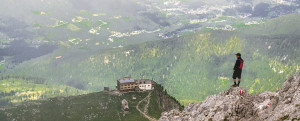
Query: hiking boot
238, 84
234, 85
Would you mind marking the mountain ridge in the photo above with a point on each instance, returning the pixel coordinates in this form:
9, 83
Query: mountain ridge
237, 104
177, 63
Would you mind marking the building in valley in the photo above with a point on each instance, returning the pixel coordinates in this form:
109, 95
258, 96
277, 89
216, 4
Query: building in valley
126, 84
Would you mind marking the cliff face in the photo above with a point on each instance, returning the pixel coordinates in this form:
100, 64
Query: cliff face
237, 104
165, 101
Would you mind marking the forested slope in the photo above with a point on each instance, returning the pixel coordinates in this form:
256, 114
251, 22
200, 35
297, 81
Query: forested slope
190, 67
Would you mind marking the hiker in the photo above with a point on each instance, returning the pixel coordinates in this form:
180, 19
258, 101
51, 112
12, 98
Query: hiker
237, 70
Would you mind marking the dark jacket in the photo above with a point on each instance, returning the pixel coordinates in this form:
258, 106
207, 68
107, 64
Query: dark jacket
238, 63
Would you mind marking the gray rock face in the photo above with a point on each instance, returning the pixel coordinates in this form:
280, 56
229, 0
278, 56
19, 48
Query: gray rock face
125, 106
237, 104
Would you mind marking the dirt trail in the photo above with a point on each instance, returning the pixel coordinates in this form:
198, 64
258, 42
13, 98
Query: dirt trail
147, 98
147, 105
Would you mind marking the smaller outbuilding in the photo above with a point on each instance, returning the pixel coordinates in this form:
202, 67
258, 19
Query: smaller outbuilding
145, 84
106, 88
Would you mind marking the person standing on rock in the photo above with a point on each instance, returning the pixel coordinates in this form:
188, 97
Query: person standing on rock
237, 70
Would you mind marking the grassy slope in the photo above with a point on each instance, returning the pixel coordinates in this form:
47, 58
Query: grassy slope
190, 67
286, 25
15, 90
95, 106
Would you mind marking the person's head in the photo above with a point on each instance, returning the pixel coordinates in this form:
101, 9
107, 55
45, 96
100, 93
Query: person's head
238, 55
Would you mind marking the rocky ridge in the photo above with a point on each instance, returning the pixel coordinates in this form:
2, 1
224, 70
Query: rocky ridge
237, 104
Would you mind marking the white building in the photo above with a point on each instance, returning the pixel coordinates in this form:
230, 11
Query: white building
145, 84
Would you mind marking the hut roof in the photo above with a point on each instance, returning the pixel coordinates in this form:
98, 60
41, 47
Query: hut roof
126, 80
144, 81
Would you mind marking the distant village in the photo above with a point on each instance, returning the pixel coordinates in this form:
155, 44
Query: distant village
127, 84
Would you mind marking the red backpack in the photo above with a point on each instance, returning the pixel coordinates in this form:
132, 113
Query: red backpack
242, 64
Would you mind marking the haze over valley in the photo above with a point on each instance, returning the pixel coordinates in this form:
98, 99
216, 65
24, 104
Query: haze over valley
67, 47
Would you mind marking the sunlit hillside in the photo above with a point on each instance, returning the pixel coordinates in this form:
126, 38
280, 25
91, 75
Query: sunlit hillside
190, 67
62, 48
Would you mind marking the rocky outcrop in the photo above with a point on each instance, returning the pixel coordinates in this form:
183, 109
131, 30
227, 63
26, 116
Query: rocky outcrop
164, 100
125, 106
237, 104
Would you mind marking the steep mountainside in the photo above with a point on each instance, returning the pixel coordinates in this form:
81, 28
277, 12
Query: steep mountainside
237, 104
103, 106
184, 65
83, 45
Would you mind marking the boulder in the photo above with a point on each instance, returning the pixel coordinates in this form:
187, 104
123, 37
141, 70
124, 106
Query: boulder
125, 106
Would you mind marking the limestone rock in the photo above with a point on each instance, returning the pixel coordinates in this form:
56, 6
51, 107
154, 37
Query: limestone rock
237, 104
125, 106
